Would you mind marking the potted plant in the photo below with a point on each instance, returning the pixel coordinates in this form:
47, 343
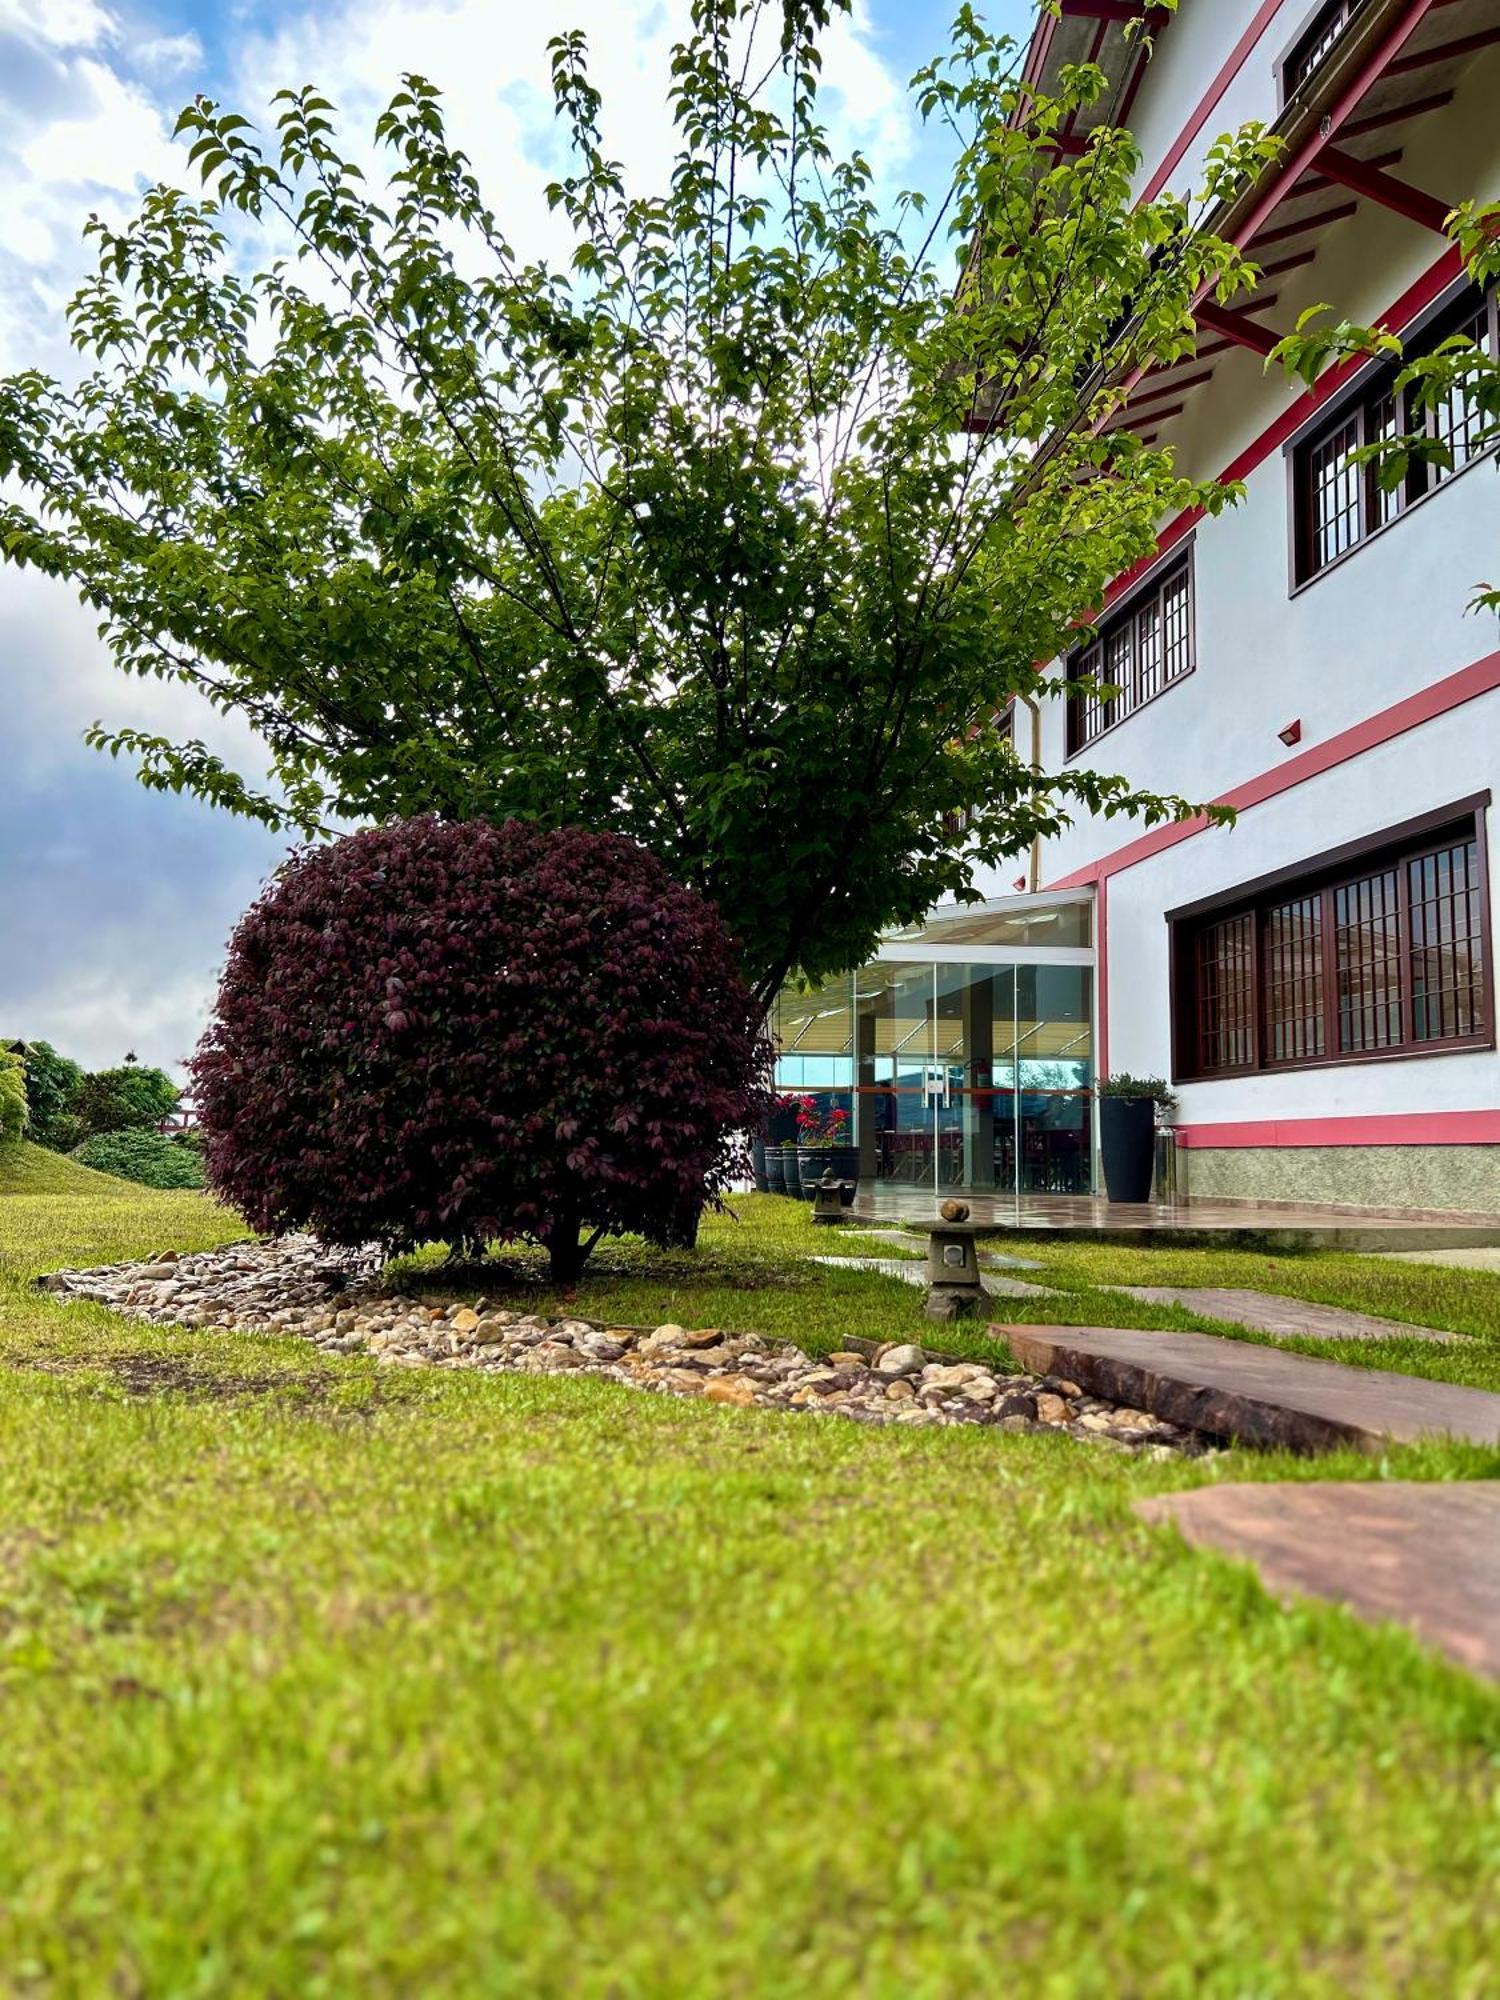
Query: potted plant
823, 1143
779, 1148
1127, 1132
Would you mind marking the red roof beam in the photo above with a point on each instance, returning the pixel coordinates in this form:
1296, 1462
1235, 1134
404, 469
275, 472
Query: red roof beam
1169, 389
1288, 229
1313, 183
1378, 120
1154, 416
1236, 327
1292, 263
1391, 193
1466, 45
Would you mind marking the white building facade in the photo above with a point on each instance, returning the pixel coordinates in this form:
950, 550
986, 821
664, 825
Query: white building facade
1316, 980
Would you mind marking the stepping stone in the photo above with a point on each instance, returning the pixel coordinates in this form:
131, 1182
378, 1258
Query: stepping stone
914, 1272
1267, 1312
1011, 1288
1263, 1395
1427, 1557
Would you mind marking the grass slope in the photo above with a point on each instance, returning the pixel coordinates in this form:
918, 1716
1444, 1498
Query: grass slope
54, 1211
318, 1678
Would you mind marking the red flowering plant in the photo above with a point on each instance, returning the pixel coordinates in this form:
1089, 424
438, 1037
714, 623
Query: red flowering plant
815, 1127
441, 1031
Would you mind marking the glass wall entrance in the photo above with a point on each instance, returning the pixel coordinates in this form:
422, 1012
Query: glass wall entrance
967, 1064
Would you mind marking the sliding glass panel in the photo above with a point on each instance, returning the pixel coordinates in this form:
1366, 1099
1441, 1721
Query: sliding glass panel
975, 1034
814, 1034
893, 1025
1054, 1076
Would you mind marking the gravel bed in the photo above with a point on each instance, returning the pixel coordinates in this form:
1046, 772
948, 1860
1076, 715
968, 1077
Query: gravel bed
335, 1299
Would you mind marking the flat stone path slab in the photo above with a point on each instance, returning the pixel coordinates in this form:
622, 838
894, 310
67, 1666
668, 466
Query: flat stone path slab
1263, 1395
1427, 1557
913, 1271
1267, 1312
1456, 1260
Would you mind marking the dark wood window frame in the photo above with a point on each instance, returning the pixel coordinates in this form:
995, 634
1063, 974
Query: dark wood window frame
1371, 407
1313, 43
1268, 978
1152, 634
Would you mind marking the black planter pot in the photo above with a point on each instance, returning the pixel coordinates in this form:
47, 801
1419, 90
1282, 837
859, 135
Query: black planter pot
775, 1160
758, 1165
1127, 1146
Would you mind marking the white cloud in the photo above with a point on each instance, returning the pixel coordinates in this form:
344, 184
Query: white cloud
167, 55
113, 137
58, 24
58, 679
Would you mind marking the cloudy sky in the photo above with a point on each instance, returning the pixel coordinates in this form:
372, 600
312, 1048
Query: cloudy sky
115, 902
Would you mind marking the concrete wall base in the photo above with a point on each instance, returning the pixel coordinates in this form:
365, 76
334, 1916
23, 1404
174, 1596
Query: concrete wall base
1460, 1178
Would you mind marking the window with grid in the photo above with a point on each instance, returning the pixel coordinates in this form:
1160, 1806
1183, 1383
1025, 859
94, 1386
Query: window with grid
1139, 653
1225, 983
1292, 946
1314, 46
1446, 943
1387, 958
1457, 421
1338, 502
1367, 955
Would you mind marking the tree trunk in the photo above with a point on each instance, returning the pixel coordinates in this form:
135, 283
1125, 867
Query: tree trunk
681, 1232
565, 1255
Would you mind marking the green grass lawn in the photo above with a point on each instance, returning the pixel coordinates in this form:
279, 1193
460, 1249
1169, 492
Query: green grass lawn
317, 1678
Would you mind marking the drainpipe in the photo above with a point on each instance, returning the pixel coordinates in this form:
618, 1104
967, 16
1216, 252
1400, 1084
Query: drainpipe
1034, 865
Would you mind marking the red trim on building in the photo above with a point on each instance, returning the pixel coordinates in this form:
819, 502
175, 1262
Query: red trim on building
1483, 677
1395, 319
1234, 62
1400, 1128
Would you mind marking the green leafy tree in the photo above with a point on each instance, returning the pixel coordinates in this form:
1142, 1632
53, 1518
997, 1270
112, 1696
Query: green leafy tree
732, 530
132, 1097
12, 1094
1458, 368
52, 1081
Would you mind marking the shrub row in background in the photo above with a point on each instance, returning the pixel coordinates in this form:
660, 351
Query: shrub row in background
146, 1157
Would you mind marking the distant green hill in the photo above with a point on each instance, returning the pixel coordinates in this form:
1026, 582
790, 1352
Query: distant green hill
28, 1169
53, 1212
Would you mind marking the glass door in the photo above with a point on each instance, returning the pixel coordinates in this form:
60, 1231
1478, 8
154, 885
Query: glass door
975, 1030
893, 1031
1053, 1079
974, 1076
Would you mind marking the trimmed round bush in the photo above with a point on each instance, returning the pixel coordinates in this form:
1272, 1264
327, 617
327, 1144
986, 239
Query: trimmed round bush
148, 1157
459, 1032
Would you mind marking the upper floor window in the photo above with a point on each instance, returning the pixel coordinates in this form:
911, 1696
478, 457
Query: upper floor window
1316, 42
1337, 502
1140, 650
1386, 956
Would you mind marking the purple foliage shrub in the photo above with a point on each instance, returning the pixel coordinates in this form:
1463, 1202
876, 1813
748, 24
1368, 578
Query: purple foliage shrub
434, 1031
